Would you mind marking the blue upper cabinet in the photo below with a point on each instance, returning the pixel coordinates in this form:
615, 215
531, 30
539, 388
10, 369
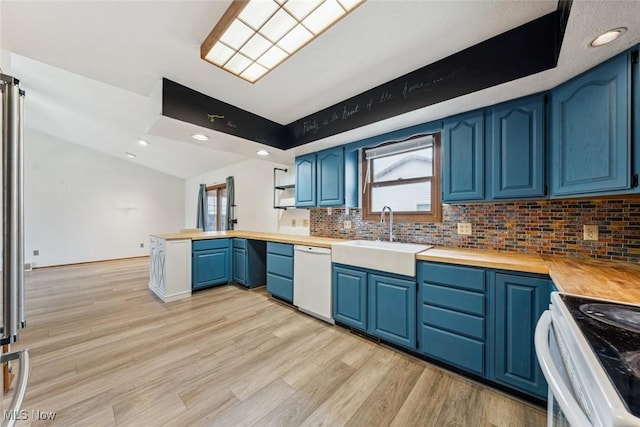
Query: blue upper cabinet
590, 120
463, 158
306, 181
330, 177
517, 149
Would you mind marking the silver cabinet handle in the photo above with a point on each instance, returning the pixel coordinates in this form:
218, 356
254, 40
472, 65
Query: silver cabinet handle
21, 385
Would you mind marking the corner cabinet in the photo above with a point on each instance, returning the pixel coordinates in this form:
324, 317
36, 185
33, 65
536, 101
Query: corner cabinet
211, 262
517, 149
590, 141
328, 178
463, 157
248, 260
518, 303
377, 303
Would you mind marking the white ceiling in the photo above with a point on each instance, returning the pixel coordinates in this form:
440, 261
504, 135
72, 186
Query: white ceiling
91, 67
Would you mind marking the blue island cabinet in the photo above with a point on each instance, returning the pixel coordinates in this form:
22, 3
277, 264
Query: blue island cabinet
518, 301
590, 141
377, 303
463, 158
210, 263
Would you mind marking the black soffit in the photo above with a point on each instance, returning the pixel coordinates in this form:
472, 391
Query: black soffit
528, 49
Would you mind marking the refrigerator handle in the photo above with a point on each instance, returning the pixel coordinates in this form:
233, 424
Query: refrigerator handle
13, 257
21, 385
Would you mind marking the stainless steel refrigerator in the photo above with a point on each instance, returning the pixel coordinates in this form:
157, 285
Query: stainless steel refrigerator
13, 309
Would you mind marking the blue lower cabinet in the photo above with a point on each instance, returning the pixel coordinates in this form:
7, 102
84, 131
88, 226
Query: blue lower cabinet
240, 266
280, 270
392, 309
249, 262
519, 302
210, 263
455, 349
350, 297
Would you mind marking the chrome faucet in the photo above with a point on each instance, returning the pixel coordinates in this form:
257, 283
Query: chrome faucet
390, 221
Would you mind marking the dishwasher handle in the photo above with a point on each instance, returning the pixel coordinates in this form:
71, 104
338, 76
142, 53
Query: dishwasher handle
312, 250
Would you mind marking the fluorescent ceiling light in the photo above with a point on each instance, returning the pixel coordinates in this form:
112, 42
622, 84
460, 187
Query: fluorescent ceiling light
130, 155
200, 137
254, 36
142, 142
262, 153
608, 37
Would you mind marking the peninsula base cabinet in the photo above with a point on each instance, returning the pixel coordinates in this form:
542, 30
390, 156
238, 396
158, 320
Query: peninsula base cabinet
483, 321
170, 268
379, 304
211, 263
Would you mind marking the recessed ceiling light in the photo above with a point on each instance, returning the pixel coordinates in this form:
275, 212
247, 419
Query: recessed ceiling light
200, 137
608, 37
143, 142
262, 153
130, 155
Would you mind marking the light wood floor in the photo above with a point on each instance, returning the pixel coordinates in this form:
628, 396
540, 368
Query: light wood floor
106, 352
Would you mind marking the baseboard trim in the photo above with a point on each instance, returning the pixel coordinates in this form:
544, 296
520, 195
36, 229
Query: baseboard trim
88, 262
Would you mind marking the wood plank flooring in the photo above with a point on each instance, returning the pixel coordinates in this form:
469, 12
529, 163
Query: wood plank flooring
106, 352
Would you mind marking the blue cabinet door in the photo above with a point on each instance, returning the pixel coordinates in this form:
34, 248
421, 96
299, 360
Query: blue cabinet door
306, 181
210, 268
280, 270
392, 309
463, 158
517, 149
590, 144
240, 266
330, 184
350, 297
519, 302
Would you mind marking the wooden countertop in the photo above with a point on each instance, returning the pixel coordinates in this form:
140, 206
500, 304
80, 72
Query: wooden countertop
612, 280
323, 242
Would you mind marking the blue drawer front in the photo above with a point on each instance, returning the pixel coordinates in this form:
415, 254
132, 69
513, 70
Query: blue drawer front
456, 299
280, 287
453, 275
465, 324
280, 265
463, 352
280, 248
201, 245
240, 243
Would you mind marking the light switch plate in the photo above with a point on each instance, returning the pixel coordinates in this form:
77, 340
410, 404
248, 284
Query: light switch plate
305, 222
347, 225
464, 228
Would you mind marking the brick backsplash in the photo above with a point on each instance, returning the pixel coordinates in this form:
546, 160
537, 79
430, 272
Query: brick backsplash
546, 227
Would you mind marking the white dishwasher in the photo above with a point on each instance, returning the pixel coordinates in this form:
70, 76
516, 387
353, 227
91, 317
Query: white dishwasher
312, 281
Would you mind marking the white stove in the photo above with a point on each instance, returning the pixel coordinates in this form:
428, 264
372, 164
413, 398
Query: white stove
589, 351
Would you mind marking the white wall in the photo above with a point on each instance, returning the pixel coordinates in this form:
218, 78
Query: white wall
82, 205
254, 198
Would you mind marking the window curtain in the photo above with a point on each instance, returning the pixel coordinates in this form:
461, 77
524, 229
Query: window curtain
231, 203
201, 220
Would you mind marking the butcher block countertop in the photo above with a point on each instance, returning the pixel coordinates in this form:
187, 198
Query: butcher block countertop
613, 280
323, 242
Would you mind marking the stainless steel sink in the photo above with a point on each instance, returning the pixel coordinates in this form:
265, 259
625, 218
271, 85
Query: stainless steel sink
391, 257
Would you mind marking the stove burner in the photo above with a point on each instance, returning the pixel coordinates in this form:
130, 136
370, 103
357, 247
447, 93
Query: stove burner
632, 360
621, 316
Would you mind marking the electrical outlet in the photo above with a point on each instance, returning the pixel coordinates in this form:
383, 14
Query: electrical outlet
305, 222
36, 252
464, 228
293, 222
142, 245
347, 225
590, 232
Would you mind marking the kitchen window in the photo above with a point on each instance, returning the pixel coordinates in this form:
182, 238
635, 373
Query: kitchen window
216, 208
404, 175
